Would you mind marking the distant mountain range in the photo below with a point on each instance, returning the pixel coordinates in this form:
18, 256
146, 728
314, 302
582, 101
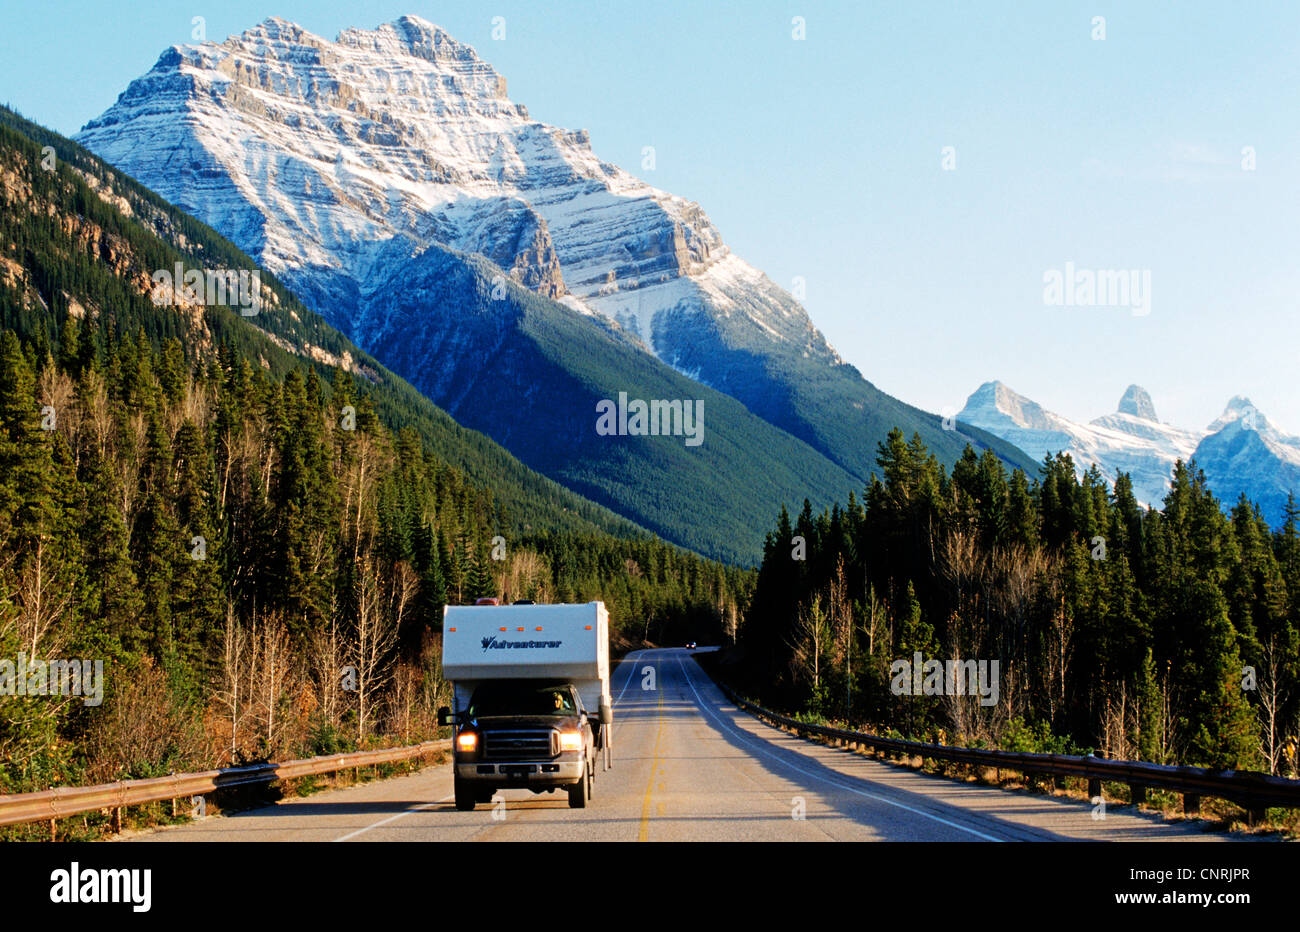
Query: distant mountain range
508, 272
1240, 452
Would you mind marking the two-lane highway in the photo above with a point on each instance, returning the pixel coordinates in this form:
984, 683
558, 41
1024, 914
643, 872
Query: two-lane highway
689, 766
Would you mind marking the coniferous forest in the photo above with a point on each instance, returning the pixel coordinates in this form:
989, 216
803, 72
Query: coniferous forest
230, 514
249, 522
1166, 635
228, 543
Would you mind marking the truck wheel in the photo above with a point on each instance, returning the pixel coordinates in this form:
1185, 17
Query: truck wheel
465, 795
580, 792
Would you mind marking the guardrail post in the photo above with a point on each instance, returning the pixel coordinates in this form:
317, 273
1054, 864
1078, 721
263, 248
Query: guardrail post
1094, 787
52, 829
1138, 794
117, 819
1191, 804
1256, 815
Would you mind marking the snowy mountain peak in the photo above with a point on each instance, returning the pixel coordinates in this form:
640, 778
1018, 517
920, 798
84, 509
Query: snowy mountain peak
1245, 454
272, 29
413, 36
1137, 402
1243, 413
994, 401
331, 160
1130, 440
341, 165
1241, 452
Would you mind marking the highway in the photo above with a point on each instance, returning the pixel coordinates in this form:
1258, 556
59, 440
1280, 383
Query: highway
689, 766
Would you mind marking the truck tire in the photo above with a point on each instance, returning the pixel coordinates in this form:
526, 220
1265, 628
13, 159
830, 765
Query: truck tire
580, 792
465, 794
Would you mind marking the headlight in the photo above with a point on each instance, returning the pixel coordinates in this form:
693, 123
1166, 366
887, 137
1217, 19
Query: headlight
466, 741
570, 741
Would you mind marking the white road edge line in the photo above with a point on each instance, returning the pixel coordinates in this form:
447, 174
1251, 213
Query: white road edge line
630, 678
394, 818
844, 786
626, 683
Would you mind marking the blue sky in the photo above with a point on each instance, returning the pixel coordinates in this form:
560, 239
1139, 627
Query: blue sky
822, 158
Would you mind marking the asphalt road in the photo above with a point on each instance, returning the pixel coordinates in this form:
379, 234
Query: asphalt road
688, 766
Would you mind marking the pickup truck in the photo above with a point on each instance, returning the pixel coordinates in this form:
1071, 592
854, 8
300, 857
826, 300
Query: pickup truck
532, 706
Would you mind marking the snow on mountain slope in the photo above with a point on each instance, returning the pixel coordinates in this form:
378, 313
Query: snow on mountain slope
1131, 440
1240, 452
320, 153
337, 163
1245, 453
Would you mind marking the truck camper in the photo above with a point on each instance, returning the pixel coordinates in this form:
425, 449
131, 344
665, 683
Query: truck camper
531, 699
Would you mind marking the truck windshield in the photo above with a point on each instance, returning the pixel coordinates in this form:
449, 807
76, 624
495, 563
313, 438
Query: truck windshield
518, 699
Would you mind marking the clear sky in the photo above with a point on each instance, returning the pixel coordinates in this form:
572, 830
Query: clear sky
823, 158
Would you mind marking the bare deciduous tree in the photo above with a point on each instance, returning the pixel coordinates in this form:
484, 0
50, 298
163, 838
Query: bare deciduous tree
326, 650
1272, 698
374, 636
269, 677
228, 694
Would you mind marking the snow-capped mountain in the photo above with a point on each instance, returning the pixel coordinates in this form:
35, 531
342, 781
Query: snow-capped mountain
1131, 440
1239, 452
1245, 453
339, 163
325, 153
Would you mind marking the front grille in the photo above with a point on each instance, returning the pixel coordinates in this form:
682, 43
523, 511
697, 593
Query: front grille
517, 745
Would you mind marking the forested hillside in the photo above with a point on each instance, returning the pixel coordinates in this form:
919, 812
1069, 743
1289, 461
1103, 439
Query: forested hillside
251, 524
81, 236
1162, 635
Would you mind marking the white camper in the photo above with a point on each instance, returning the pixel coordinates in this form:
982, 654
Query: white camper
532, 704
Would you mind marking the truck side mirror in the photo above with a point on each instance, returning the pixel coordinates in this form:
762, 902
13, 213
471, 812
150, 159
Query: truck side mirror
606, 713
444, 716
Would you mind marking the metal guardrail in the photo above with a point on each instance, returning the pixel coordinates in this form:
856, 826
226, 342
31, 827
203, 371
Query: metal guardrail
58, 803
1249, 789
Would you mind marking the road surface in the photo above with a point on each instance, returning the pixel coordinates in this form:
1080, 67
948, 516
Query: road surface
689, 766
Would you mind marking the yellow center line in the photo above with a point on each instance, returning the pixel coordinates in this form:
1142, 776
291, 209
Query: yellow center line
654, 768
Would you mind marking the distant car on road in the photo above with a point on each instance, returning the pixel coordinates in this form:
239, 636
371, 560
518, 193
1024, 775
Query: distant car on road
487, 600
690, 645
